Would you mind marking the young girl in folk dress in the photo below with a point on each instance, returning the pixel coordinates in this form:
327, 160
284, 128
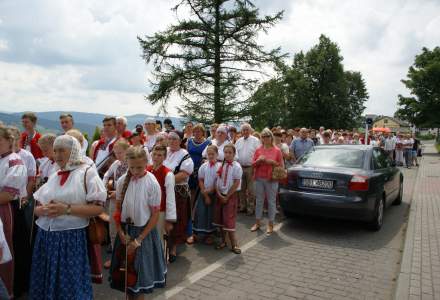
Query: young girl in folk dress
116, 170
205, 202
138, 197
228, 183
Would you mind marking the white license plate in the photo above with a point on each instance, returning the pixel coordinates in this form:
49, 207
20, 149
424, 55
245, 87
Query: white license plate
317, 183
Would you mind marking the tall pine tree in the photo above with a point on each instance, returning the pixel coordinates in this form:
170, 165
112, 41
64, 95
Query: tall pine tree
209, 59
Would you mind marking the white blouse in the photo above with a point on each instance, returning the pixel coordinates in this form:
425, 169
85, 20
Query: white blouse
102, 154
170, 214
116, 170
142, 198
13, 175
29, 162
228, 175
209, 174
47, 167
71, 192
174, 158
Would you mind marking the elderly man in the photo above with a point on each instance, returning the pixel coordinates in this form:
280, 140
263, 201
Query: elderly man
67, 123
246, 147
152, 132
302, 144
121, 127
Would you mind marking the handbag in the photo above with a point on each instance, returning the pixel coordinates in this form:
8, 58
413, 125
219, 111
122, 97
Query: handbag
97, 231
279, 173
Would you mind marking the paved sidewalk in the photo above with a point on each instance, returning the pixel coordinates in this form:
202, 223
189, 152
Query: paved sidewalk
419, 277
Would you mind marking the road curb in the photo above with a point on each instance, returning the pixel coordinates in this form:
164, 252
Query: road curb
404, 275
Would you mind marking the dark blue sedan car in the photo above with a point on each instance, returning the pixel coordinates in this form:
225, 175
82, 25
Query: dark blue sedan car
355, 182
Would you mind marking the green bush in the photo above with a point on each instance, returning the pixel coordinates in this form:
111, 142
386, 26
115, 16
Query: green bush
428, 136
438, 147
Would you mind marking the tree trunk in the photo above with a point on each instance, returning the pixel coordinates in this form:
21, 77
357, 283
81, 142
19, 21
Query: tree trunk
218, 116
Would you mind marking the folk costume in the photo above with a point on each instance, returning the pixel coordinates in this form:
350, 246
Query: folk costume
60, 262
142, 199
13, 179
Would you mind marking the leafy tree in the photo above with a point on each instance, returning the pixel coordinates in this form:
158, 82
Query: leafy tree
97, 134
210, 58
423, 80
315, 90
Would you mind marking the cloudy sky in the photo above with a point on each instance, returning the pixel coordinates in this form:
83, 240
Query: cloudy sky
83, 55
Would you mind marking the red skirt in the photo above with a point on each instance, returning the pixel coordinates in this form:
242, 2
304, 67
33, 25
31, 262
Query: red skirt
225, 215
178, 235
7, 269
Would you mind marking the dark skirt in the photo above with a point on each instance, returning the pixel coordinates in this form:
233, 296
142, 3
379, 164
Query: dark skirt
22, 246
7, 269
178, 234
60, 266
149, 262
203, 215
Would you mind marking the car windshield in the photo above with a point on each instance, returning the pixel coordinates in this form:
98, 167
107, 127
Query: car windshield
333, 157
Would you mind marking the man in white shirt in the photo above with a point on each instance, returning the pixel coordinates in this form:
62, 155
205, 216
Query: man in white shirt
389, 144
246, 147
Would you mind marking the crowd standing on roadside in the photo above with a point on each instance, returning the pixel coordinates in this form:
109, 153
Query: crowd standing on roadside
143, 193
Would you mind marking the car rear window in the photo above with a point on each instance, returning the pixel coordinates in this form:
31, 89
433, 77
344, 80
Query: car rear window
337, 157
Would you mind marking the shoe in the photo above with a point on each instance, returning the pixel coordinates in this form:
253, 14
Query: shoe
236, 250
107, 264
269, 229
255, 227
172, 258
191, 240
220, 246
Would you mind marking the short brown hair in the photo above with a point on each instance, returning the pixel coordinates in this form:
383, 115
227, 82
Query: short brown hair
47, 139
31, 116
109, 119
63, 116
200, 127
160, 148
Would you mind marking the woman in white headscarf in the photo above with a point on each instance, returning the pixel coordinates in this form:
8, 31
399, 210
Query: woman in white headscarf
60, 263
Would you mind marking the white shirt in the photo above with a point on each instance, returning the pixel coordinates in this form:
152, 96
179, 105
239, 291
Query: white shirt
221, 154
13, 175
47, 167
151, 140
6, 253
170, 213
29, 162
284, 148
88, 161
390, 144
149, 159
228, 175
246, 149
174, 158
102, 154
142, 198
72, 192
84, 146
116, 170
209, 174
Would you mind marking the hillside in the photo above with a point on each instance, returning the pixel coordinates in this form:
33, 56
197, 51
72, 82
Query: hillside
86, 122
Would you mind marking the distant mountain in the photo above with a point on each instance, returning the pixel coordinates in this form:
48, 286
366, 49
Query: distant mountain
85, 122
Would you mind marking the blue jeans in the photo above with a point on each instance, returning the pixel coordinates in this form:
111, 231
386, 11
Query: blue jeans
3, 291
408, 157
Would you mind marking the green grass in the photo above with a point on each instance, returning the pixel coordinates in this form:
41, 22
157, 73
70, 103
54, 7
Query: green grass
437, 145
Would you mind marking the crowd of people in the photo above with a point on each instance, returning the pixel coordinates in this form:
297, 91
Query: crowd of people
145, 192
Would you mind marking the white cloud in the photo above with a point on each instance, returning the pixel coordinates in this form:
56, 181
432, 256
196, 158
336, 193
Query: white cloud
83, 55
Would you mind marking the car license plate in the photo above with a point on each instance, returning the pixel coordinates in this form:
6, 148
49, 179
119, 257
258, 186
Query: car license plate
317, 183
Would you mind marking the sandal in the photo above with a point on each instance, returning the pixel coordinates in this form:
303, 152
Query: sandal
236, 250
220, 246
255, 227
172, 258
107, 264
269, 229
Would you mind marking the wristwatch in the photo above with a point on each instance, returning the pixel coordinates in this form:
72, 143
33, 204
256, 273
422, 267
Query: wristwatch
68, 210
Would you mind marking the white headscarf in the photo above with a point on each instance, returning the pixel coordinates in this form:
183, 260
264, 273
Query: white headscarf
70, 143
